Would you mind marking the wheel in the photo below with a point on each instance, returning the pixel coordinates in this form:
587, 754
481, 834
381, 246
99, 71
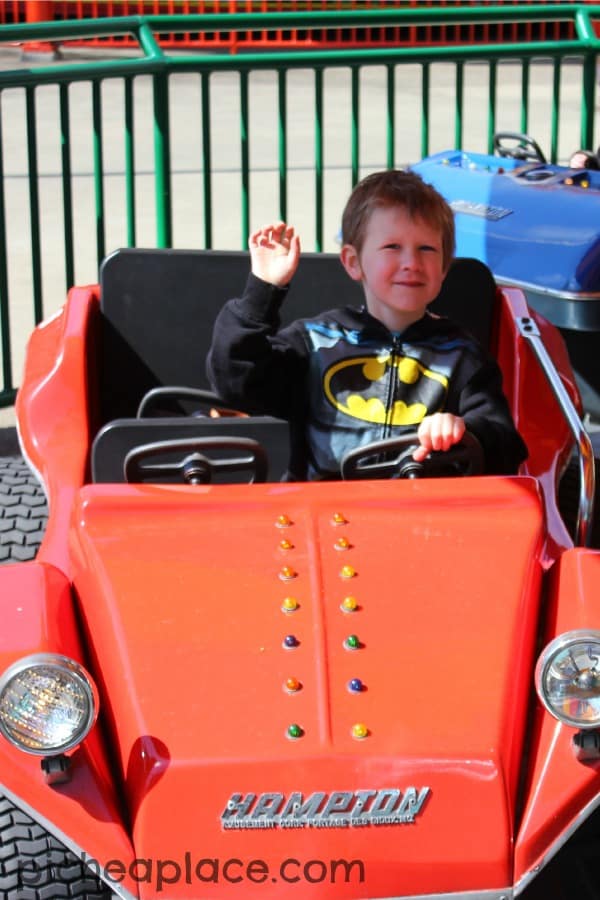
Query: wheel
208, 457
393, 459
34, 865
513, 145
23, 511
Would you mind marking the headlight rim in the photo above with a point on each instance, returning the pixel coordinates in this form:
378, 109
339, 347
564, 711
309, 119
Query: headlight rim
545, 659
75, 669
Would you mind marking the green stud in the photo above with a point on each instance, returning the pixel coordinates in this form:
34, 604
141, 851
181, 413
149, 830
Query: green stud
294, 731
352, 642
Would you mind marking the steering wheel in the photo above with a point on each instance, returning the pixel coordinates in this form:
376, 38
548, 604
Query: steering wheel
525, 148
171, 395
392, 458
199, 466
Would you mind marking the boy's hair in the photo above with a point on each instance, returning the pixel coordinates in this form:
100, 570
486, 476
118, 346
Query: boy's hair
407, 190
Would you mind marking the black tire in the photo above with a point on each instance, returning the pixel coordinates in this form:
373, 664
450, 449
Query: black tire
34, 865
23, 511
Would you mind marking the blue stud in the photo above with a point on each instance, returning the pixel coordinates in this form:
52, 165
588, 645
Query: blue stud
290, 640
355, 685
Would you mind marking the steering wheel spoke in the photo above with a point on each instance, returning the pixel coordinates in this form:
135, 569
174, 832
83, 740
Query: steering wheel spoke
196, 460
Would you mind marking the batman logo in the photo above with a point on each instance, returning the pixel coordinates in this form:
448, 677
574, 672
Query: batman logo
356, 387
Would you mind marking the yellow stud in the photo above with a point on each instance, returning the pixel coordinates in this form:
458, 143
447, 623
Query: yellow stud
347, 572
283, 521
286, 545
338, 519
289, 604
287, 573
342, 544
360, 731
349, 604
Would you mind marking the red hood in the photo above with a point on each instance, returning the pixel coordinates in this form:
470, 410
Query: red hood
181, 592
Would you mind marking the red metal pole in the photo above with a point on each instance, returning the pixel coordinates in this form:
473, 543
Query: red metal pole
39, 11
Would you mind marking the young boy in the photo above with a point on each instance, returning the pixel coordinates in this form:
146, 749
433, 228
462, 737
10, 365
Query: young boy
356, 375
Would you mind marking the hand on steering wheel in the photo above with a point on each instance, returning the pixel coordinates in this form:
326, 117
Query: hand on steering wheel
393, 458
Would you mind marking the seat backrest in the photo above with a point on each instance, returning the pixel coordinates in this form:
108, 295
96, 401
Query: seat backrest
158, 309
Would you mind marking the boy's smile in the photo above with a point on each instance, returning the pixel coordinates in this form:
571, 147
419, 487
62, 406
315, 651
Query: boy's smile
401, 266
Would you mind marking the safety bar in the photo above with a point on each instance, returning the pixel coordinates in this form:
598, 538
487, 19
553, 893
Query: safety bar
529, 330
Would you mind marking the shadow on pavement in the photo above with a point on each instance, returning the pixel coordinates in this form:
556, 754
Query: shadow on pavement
9, 445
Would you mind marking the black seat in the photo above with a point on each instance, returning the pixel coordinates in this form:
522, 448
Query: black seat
158, 309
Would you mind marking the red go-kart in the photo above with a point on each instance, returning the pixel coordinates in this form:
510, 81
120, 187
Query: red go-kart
216, 684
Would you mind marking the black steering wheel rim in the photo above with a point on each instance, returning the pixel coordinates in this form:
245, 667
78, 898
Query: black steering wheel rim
392, 458
527, 148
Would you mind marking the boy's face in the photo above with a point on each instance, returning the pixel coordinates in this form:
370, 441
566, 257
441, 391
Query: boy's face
401, 266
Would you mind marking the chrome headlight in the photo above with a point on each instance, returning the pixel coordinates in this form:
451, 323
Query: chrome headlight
567, 678
48, 703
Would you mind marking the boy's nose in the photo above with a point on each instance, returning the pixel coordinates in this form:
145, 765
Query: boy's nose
410, 259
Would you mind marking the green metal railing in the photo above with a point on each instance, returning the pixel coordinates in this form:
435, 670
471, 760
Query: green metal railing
162, 70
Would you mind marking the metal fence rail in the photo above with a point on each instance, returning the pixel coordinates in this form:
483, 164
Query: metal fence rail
191, 150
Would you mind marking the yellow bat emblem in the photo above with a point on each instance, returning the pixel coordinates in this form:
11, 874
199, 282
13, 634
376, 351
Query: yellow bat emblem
349, 384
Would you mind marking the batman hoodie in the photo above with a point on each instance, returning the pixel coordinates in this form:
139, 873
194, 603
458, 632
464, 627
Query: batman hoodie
342, 379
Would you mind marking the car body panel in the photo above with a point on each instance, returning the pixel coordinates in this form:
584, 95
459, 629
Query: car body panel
561, 787
437, 702
38, 616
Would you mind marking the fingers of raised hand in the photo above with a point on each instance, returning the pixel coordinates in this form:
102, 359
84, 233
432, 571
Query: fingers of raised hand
277, 236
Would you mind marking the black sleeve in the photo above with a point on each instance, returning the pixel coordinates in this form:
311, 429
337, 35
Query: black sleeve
253, 364
485, 410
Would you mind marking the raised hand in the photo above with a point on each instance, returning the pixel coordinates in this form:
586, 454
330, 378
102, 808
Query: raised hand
274, 253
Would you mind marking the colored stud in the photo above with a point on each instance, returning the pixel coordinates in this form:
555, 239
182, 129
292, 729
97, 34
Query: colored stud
290, 641
294, 731
360, 731
338, 519
286, 545
289, 604
347, 572
355, 685
287, 573
349, 604
283, 521
352, 642
342, 544
292, 685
